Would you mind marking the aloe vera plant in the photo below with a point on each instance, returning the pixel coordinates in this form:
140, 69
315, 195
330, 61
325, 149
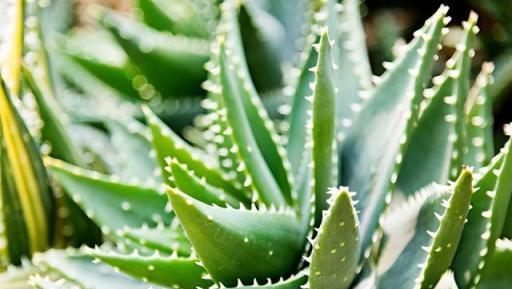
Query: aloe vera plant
378, 182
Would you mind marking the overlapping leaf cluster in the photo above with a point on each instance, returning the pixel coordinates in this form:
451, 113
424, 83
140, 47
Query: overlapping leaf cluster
249, 207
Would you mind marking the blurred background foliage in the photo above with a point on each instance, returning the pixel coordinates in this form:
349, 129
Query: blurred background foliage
73, 28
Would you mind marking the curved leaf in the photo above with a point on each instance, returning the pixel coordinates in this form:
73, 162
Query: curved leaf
371, 153
336, 249
174, 272
108, 202
266, 242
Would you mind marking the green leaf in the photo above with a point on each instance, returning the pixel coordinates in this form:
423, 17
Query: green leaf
263, 37
240, 97
170, 271
323, 126
485, 220
108, 202
171, 65
372, 152
294, 282
27, 202
70, 265
298, 118
353, 76
163, 239
335, 251
198, 189
266, 241
436, 148
479, 119
424, 237
259, 172
167, 144
496, 273
131, 142
179, 17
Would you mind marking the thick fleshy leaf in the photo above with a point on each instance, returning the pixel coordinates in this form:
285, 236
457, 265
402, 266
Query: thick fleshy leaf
197, 188
163, 239
268, 243
496, 273
323, 127
353, 76
53, 131
170, 271
26, 200
335, 252
298, 118
236, 85
372, 152
485, 220
436, 147
70, 266
294, 282
110, 203
423, 238
171, 65
263, 37
479, 119
167, 144
259, 173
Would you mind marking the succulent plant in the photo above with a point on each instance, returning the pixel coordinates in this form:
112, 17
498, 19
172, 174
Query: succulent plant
377, 182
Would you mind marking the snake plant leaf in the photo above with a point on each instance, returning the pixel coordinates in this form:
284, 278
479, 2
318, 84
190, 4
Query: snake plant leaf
130, 140
107, 62
159, 56
71, 264
170, 271
189, 183
436, 147
496, 273
110, 203
335, 252
182, 17
13, 58
378, 138
485, 220
323, 127
161, 238
263, 37
479, 120
419, 256
260, 173
267, 243
27, 202
167, 144
259, 124
353, 76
